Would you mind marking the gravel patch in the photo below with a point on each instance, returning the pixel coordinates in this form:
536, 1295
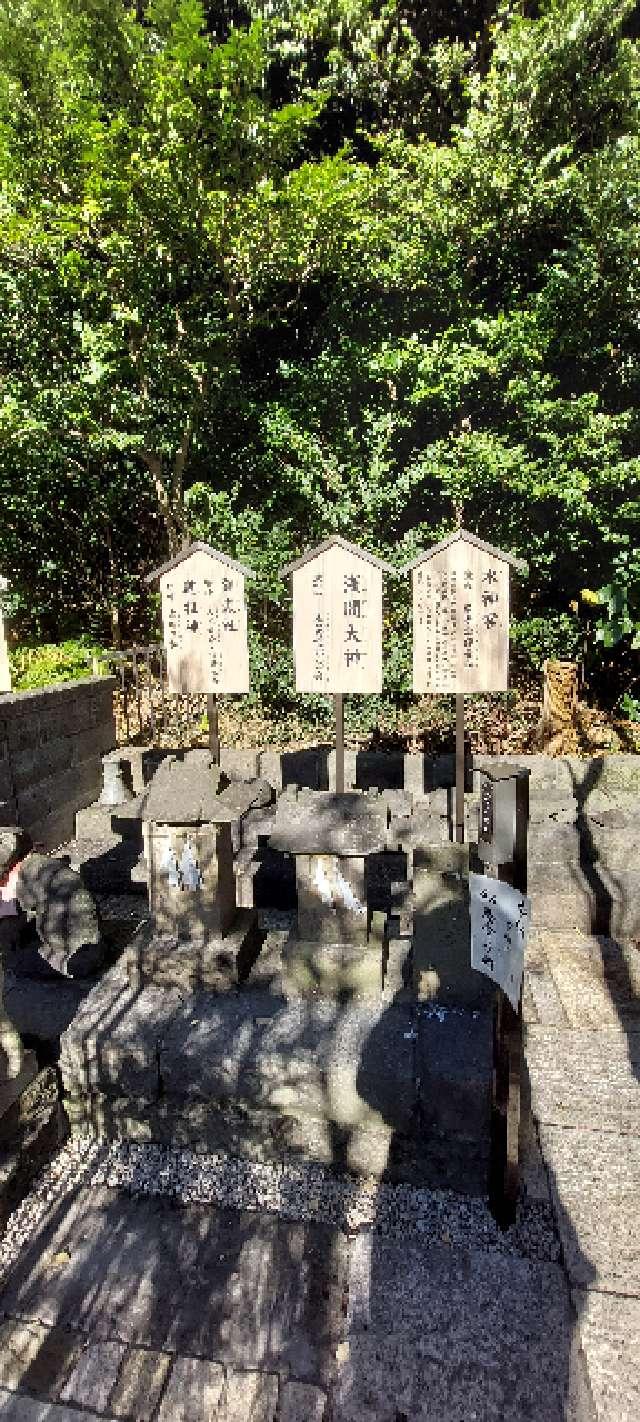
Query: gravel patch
301, 1192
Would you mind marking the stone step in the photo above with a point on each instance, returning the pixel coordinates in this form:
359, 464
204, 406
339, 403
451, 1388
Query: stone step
357, 1085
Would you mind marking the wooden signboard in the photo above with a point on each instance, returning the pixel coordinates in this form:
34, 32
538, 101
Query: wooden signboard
5, 670
337, 619
204, 620
461, 617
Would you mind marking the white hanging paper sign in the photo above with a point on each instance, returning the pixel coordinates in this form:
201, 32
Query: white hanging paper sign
500, 922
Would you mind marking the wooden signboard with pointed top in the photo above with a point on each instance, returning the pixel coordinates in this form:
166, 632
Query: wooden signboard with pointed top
5, 670
337, 626
337, 619
204, 619
461, 617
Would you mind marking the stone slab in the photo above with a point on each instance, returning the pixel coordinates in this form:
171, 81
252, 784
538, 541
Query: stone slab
14, 1408
454, 1062
596, 978
442, 929
250, 1397
252, 1291
193, 1391
142, 1377
445, 1335
609, 1331
585, 1079
352, 1065
335, 970
113, 1042
34, 1358
94, 1376
595, 1186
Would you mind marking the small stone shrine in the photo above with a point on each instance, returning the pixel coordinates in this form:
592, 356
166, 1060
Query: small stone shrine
338, 946
197, 935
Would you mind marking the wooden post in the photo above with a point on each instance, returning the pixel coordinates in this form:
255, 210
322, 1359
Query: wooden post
504, 1169
459, 769
214, 732
339, 710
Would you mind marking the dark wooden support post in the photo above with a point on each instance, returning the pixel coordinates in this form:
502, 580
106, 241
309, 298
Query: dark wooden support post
504, 1170
214, 732
338, 703
460, 769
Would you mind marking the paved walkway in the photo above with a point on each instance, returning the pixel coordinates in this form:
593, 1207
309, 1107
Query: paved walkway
582, 1006
122, 1303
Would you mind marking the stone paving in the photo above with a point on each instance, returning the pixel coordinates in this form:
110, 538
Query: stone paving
582, 1006
143, 1283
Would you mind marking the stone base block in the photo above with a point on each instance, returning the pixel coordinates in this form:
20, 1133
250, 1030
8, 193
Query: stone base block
442, 930
262, 1136
334, 970
214, 965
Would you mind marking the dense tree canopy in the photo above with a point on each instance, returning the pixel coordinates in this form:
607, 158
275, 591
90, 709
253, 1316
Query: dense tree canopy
273, 270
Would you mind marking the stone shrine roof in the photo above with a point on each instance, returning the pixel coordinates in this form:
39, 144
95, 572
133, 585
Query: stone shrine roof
346, 825
185, 792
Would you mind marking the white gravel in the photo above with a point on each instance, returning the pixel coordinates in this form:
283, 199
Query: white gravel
296, 1191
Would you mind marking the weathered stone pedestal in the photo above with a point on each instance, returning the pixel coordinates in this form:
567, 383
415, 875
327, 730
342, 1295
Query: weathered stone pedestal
442, 929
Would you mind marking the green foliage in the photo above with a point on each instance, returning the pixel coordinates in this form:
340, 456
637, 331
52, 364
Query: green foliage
273, 272
630, 707
33, 667
621, 617
557, 636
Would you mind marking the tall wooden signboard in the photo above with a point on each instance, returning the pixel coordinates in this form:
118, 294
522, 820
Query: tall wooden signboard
461, 627
337, 625
204, 621
5, 670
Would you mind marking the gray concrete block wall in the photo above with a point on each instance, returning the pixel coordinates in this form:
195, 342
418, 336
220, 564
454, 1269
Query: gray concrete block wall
51, 747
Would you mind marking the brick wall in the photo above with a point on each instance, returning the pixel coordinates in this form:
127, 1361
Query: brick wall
51, 747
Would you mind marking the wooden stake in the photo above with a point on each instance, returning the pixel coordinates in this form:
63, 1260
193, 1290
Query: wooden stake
214, 733
339, 711
459, 769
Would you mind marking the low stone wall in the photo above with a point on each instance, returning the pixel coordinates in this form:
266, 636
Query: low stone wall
51, 747
314, 768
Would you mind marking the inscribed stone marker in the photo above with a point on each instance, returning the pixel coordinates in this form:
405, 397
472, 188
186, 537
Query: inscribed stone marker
204, 619
461, 616
337, 619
